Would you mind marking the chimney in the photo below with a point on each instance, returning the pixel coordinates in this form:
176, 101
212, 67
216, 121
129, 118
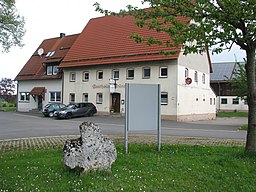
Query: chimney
62, 35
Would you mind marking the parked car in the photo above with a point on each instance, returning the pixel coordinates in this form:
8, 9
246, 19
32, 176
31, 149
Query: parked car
50, 108
76, 110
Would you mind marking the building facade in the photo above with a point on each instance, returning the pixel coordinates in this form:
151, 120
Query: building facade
40, 80
221, 79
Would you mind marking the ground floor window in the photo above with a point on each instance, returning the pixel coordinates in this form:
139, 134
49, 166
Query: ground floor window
72, 97
55, 96
24, 96
164, 98
99, 98
85, 97
235, 101
224, 101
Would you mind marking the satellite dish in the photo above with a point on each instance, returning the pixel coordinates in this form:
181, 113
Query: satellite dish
40, 51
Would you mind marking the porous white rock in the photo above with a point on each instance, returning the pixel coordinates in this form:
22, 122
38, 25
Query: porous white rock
92, 151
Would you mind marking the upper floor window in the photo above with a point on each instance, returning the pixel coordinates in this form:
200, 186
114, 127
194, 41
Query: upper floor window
196, 76
115, 74
72, 76
130, 73
85, 76
203, 78
186, 72
146, 73
163, 72
24, 96
99, 75
55, 96
52, 70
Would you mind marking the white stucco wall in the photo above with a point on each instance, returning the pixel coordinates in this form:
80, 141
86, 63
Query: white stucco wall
242, 106
94, 86
53, 85
196, 101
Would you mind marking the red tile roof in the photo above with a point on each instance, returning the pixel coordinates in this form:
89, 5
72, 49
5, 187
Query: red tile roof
35, 66
105, 40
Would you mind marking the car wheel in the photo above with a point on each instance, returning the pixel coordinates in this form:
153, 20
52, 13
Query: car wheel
68, 116
51, 114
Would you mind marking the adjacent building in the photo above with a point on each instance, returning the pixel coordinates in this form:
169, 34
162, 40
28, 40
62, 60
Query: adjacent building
40, 80
221, 79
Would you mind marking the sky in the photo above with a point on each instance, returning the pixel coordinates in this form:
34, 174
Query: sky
48, 18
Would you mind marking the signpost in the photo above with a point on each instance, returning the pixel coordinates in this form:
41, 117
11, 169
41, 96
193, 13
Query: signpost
142, 109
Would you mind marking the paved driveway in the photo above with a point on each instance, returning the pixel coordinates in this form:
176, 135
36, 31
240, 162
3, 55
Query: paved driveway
22, 125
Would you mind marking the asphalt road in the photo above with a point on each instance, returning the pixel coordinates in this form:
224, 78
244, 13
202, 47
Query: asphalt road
15, 125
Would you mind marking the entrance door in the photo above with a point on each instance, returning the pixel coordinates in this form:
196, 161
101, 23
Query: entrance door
116, 102
40, 102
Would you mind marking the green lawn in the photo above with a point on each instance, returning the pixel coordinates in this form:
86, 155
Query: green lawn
232, 114
175, 168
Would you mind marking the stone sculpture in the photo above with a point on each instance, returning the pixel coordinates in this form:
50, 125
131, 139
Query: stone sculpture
91, 151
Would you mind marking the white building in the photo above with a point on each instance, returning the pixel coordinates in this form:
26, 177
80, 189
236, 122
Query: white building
103, 51
40, 80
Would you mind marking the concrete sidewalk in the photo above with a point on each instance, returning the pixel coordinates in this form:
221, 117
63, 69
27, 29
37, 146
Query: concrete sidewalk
58, 141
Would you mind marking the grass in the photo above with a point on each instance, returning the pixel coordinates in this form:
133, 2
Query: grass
7, 107
244, 127
175, 168
232, 114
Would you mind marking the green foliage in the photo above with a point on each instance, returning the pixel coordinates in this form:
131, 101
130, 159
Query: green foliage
244, 127
240, 81
11, 25
175, 168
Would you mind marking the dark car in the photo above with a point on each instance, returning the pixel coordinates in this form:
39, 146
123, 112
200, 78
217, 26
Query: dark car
76, 110
50, 108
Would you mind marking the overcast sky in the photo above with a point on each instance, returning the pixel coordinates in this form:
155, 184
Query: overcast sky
48, 18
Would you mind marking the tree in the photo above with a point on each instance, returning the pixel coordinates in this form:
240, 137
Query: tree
7, 87
11, 25
211, 23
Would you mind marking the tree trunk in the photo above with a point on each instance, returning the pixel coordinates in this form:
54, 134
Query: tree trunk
251, 82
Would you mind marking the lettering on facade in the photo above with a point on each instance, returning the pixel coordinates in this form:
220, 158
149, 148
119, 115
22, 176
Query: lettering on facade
106, 86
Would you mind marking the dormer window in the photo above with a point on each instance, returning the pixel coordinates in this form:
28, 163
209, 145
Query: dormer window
52, 70
50, 53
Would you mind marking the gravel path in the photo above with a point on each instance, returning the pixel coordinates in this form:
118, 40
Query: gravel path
58, 142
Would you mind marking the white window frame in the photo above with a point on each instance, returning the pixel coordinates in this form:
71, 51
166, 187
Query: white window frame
115, 74
128, 75
161, 72
87, 96
196, 76
235, 101
143, 73
99, 75
186, 73
203, 78
24, 97
72, 77
54, 93
221, 101
71, 95
166, 99
99, 98
86, 79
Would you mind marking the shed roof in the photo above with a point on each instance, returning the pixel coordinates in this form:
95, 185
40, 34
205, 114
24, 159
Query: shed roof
105, 40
